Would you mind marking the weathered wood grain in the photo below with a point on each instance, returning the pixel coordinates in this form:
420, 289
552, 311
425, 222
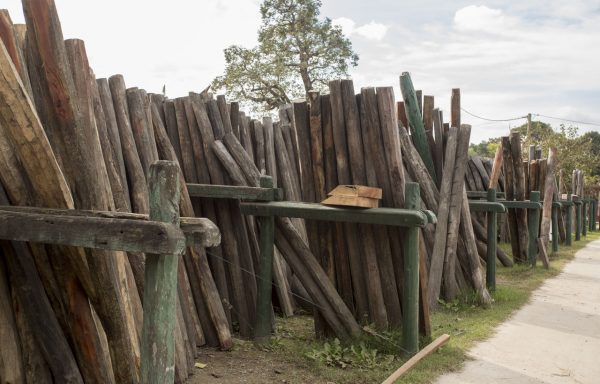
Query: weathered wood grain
160, 300
548, 193
519, 179
415, 120
441, 233
135, 172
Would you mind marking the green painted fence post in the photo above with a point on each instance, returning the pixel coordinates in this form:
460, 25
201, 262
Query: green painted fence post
492, 236
410, 298
569, 234
555, 210
533, 221
160, 289
262, 331
584, 205
591, 213
415, 120
578, 220
594, 214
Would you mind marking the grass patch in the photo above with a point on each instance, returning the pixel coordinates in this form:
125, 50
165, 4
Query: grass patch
371, 360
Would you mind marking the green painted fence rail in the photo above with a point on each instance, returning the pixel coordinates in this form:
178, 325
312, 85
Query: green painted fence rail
234, 192
484, 195
313, 211
493, 206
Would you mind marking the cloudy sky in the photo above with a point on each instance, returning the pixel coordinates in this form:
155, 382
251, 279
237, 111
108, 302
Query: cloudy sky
509, 58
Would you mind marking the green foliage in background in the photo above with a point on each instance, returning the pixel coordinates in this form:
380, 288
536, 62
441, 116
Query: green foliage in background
574, 151
297, 52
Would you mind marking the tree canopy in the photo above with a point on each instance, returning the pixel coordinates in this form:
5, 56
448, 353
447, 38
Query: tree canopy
297, 52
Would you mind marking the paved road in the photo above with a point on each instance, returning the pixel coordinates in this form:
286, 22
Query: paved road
553, 339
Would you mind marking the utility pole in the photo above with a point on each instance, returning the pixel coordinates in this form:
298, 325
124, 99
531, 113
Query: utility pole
528, 124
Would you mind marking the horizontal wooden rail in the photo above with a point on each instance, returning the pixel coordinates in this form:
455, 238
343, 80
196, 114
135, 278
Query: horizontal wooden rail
483, 195
92, 232
197, 230
312, 211
566, 203
486, 206
235, 192
521, 204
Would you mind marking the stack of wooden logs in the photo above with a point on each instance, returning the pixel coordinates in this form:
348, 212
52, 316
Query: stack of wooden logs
482, 174
517, 177
70, 141
437, 159
348, 138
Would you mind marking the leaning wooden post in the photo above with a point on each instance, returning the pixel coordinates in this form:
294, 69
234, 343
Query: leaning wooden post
578, 219
555, 213
492, 236
262, 331
533, 221
410, 299
160, 290
569, 234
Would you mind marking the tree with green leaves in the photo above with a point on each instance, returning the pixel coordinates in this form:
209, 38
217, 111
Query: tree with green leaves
297, 52
574, 151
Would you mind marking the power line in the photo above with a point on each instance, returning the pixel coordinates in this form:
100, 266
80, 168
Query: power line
496, 120
533, 114
568, 120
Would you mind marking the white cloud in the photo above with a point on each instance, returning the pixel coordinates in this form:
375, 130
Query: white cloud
508, 62
371, 31
482, 18
345, 23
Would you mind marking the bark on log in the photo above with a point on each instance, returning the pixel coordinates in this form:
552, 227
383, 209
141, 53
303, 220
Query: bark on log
519, 178
11, 362
496, 169
359, 289
510, 195
441, 234
548, 193
451, 288
195, 258
135, 173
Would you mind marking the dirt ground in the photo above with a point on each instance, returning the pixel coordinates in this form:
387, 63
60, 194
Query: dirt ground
281, 362
251, 367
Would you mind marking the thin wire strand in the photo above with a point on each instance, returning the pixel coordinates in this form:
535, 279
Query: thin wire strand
497, 120
568, 120
260, 278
